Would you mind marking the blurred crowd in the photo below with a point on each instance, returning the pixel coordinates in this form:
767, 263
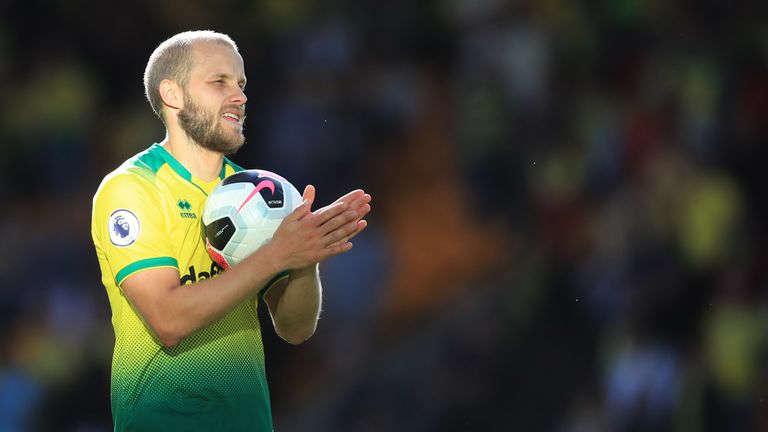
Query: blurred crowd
567, 231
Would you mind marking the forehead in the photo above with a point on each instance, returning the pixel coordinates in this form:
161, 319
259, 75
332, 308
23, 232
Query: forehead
216, 58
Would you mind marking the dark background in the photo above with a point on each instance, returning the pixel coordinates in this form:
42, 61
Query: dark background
568, 229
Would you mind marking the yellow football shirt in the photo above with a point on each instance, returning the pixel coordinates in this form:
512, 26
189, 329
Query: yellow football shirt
146, 214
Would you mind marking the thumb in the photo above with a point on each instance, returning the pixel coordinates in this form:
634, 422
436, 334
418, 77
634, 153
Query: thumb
305, 206
309, 195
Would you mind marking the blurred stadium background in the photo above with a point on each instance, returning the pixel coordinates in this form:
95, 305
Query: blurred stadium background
568, 230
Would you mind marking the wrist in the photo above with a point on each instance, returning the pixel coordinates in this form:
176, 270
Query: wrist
270, 260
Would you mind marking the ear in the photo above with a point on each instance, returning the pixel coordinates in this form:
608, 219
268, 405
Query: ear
171, 94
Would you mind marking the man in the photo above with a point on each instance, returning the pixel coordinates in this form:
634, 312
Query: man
188, 351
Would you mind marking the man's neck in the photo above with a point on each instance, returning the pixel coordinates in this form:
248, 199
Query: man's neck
201, 162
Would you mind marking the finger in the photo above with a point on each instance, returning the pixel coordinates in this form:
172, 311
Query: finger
331, 212
342, 222
336, 250
309, 194
359, 212
360, 201
350, 196
362, 210
305, 206
361, 225
341, 232
333, 206
360, 206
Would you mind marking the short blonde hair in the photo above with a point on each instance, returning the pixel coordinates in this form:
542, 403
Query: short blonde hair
172, 59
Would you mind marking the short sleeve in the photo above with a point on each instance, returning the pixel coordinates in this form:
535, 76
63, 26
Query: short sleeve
129, 228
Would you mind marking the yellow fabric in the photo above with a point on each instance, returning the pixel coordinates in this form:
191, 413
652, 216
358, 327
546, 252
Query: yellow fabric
147, 214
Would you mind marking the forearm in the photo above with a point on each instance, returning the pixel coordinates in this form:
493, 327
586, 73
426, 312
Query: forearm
295, 307
188, 308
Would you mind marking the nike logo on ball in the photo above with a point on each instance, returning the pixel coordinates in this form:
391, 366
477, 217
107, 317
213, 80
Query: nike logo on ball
264, 184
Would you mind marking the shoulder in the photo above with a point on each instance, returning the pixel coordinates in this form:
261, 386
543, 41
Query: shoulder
135, 177
125, 181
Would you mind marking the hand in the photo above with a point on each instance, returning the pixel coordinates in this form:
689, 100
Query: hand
305, 238
358, 201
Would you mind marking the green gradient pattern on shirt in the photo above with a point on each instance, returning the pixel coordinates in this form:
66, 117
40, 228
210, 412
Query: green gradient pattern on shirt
213, 380
204, 383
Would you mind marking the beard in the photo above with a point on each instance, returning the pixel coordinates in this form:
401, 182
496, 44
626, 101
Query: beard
205, 128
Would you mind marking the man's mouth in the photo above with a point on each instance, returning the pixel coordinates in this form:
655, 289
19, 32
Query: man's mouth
234, 118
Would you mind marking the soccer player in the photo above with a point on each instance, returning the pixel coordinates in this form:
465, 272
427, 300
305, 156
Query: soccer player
188, 352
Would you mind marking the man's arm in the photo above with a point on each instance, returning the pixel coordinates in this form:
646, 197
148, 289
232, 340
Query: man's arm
294, 303
173, 311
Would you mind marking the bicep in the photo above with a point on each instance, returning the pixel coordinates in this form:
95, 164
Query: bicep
148, 290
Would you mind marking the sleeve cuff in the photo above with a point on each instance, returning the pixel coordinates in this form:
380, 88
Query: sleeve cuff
143, 265
280, 276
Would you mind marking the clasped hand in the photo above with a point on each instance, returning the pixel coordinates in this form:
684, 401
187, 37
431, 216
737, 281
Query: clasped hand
307, 237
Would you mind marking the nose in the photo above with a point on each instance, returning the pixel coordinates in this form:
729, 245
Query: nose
239, 98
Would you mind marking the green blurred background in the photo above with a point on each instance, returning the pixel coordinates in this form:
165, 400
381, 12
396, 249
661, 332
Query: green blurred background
568, 230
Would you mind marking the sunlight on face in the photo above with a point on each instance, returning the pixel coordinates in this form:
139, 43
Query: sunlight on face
206, 128
214, 103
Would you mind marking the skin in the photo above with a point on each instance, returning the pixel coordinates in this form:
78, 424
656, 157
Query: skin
304, 239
